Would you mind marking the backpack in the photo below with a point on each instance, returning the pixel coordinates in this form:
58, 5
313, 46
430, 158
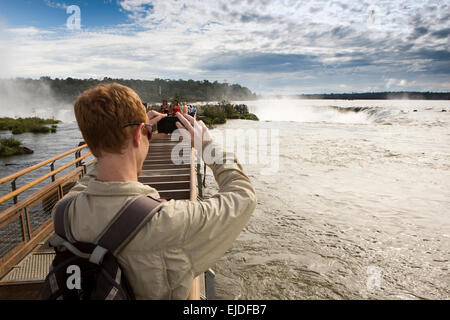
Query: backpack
90, 271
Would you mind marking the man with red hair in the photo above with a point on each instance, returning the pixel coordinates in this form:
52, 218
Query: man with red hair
183, 238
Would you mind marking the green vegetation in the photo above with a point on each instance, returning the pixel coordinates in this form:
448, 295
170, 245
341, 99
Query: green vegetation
220, 113
245, 116
213, 115
232, 114
12, 147
34, 125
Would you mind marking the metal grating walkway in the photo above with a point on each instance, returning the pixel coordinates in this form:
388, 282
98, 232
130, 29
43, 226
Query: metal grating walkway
34, 267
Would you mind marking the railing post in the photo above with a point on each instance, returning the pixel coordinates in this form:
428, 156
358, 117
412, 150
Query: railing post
23, 222
13, 187
199, 181
77, 155
52, 168
204, 175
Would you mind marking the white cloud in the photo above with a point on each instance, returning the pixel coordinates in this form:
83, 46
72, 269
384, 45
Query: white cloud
177, 38
54, 4
391, 82
395, 83
29, 31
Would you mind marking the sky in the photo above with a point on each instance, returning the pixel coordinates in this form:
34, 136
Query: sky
269, 46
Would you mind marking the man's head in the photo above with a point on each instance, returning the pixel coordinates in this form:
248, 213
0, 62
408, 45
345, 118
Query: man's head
102, 113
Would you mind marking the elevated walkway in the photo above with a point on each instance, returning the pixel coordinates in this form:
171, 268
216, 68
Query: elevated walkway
25, 227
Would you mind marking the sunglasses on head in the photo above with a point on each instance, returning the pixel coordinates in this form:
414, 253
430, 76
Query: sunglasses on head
147, 126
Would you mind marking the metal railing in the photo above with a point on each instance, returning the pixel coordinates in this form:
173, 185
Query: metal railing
28, 222
13, 178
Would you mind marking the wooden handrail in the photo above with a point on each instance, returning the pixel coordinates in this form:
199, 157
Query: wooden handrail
46, 176
21, 210
39, 165
16, 209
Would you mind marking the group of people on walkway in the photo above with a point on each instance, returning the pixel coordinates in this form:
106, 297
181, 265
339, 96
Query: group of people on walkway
240, 108
176, 106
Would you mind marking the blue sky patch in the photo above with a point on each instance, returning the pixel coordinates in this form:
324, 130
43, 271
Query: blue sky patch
46, 14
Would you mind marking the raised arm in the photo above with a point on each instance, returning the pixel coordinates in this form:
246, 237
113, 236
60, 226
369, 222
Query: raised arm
211, 226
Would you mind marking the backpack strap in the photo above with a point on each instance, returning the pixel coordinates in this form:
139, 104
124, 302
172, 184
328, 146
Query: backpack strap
61, 220
124, 227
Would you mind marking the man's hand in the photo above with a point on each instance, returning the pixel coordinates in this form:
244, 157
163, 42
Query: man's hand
193, 131
154, 117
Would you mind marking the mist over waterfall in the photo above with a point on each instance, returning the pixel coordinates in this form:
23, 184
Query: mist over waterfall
303, 111
32, 99
347, 111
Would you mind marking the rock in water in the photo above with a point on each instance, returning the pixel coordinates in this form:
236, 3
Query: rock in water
27, 150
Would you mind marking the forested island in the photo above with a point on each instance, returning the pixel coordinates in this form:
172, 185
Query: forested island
34, 125
12, 147
149, 90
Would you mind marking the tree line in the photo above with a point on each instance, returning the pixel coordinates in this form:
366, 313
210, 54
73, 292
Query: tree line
379, 96
151, 90
156, 90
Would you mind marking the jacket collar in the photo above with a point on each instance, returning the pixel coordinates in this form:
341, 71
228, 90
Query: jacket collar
131, 188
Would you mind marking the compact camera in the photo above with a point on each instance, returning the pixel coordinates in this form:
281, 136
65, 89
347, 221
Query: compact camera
167, 124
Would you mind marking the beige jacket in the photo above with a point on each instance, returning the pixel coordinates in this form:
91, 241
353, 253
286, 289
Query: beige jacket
181, 241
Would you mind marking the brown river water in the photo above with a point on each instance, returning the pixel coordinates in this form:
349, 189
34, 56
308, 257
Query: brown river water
358, 209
